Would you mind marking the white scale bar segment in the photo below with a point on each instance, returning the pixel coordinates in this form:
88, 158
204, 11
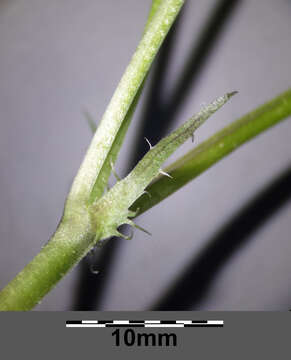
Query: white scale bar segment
89, 321
86, 325
121, 322
152, 321
184, 321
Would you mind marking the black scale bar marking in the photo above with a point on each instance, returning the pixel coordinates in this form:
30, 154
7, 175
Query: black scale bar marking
145, 323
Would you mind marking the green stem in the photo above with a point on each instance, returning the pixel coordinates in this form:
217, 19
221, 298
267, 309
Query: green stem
214, 149
75, 235
156, 31
111, 157
72, 240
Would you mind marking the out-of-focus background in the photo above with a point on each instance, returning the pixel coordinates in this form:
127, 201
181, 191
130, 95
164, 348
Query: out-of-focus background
220, 243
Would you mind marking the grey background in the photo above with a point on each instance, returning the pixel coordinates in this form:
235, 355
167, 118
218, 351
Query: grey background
244, 335
59, 57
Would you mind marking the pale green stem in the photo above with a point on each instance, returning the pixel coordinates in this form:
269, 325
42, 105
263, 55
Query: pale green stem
215, 148
104, 173
122, 99
75, 235
72, 240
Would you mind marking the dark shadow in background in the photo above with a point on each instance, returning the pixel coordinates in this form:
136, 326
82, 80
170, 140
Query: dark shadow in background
194, 64
89, 290
192, 285
156, 120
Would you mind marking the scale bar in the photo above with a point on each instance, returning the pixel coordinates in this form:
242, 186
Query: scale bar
144, 323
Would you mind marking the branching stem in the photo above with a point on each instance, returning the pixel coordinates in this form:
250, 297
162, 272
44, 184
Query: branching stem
75, 235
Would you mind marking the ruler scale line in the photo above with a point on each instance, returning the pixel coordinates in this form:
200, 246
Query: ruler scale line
144, 323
